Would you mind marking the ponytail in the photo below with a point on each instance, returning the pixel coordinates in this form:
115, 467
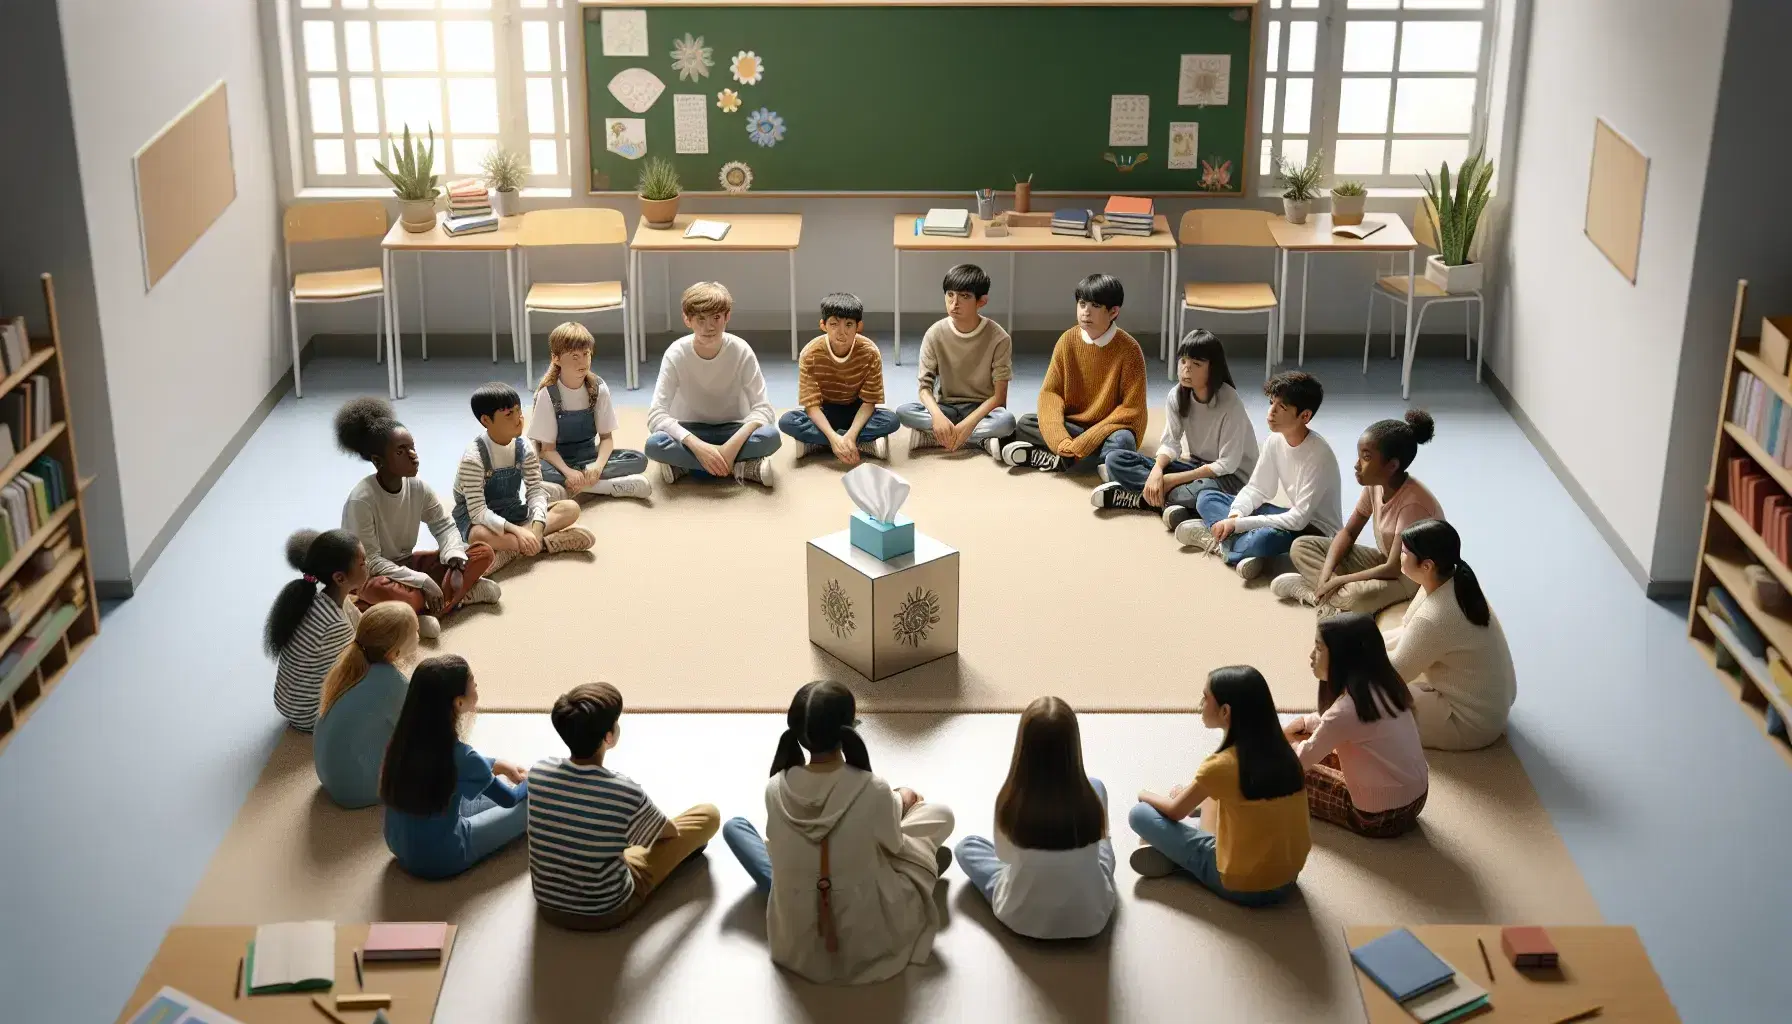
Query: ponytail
820, 721
852, 746
1469, 596
1437, 542
789, 755
388, 631
317, 557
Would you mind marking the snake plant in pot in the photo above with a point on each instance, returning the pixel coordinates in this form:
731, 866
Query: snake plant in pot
413, 181
1455, 209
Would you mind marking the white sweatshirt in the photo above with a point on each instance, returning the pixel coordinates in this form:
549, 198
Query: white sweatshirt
726, 389
1216, 432
1307, 474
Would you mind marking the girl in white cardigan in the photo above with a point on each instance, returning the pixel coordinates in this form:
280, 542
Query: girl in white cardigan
1450, 647
848, 863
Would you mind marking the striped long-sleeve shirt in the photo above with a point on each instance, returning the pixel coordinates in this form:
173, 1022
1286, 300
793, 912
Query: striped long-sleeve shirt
469, 481
307, 658
825, 378
581, 818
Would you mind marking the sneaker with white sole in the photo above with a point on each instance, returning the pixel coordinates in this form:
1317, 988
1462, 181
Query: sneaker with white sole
670, 474
919, 439
429, 627
993, 445
1150, 862
1193, 533
1113, 495
573, 538
485, 591
633, 486
878, 449
1176, 515
754, 471
1292, 586
812, 449
1252, 567
1026, 453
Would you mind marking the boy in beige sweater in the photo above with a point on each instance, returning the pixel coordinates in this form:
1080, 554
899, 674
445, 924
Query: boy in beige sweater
967, 360
1093, 399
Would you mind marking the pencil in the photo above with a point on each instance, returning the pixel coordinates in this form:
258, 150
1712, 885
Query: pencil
237, 992
1484, 961
1591, 1011
361, 983
318, 1002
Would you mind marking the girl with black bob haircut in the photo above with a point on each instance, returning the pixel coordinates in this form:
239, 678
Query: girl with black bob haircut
313, 619
1252, 789
848, 863
1450, 646
1365, 765
447, 806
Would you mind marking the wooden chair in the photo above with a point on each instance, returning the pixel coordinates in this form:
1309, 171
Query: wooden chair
1239, 229
334, 222
1391, 285
584, 226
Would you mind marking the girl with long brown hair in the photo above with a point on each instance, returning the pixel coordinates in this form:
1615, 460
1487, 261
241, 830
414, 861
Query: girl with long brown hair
362, 696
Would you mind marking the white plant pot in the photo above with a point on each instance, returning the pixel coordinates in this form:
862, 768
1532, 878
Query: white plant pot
418, 215
1455, 280
1296, 210
1347, 210
504, 203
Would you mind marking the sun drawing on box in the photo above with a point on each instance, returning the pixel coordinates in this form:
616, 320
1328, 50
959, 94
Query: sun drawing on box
920, 612
836, 607
691, 59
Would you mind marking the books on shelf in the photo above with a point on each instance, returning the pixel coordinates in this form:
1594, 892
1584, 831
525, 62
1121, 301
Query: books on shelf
941, 220
1071, 222
15, 344
474, 225
1722, 605
1128, 215
291, 957
1762, 415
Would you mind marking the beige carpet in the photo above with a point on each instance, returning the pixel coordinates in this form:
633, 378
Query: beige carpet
695, 600
1485, 852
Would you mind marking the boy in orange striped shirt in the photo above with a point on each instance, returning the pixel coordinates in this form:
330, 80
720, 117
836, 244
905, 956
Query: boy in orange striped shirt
839, 383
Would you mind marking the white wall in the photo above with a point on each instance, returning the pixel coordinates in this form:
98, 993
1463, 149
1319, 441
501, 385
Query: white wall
1590, 358
188, 362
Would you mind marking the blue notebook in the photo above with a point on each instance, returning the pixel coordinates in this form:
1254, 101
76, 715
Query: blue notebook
1401, 965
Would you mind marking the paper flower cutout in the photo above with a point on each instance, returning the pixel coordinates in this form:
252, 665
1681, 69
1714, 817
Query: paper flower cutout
1216, 178
747, 67
728, 100
691, 59
765, 128
736, 177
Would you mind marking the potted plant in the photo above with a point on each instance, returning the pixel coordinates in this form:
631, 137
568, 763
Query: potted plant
505, 171
1347, 202
1455, 213
1023, 194
1303, 186
414, 181
659, 192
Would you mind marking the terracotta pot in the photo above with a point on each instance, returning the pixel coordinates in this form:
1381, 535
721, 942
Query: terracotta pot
1347, 209
1023, 197
418, 215
659, 212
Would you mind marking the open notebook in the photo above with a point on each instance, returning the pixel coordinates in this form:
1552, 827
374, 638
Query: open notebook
292, 957
1359, 231
710, 229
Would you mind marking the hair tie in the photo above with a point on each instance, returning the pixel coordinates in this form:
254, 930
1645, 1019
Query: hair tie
310, 578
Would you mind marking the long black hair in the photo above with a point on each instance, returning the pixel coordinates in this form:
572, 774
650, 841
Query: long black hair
317, 558
1202, 346
418, 776
821, 720
1435, 541
1267, 766
1359, 665
1399, 440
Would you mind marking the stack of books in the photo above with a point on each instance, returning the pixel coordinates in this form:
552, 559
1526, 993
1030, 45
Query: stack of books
24, 414
1413, 976
1128, 215
943, 221
1529, 948
15, 347
469, 208
1761, 504
1071, 222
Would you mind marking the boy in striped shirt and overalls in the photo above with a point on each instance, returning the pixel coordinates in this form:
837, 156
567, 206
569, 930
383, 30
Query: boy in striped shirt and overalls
498, 494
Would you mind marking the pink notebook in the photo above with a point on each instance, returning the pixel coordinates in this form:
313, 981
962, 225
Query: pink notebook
413, 940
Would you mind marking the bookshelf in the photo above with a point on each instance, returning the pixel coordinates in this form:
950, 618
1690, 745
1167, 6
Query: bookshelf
46, 579
1730, 543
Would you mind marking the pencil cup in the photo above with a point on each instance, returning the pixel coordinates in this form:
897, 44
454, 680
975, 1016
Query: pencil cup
986, 208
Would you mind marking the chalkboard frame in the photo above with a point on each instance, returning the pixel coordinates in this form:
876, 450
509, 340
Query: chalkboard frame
591, 10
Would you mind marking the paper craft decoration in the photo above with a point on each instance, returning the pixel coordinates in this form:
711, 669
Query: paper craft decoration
728, 100
185, 178
626, 136
1129, 120
878, 492
625, 34
765, 128
747, 67
1615, 191
1185, 137
1216, 179
736, 177
1125, 162
690, 123
691, 59
636, 88
1205, 80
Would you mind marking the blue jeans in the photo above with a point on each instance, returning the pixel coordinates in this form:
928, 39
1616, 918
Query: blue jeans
1027, 429
977, 855
1213, 506
661, 447
743, 839
998, 423
800, 427
1192, 849
1130, 469
485, 827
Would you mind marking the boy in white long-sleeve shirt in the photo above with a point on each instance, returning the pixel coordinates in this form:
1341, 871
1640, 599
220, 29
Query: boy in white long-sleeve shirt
709, 412
1249, 530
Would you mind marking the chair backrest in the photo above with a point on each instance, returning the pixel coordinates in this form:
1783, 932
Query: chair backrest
1422, 231
329, 222
1226, 227
577, 225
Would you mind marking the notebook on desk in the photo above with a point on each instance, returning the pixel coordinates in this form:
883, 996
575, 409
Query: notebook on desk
405, 940
1358, 231
714, 230
1401, 965
293, 957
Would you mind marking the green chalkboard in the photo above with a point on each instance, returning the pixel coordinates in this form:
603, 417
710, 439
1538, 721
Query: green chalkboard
925, 98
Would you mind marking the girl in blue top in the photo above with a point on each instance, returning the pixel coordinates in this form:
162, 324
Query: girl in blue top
362, 697
447, 806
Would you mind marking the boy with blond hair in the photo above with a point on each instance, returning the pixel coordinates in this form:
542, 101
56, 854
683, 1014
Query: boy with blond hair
839, 381
709, 413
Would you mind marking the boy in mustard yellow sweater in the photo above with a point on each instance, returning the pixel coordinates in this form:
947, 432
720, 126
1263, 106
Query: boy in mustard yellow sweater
1093, 399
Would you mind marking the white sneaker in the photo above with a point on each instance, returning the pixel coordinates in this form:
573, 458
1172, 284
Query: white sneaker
993, 445
671, 474
1193, 533
757, 471
1292, 586
1150, 862
1102, 471
878, 449
635, 486
485, 591
573, 538
919, 439
429, 627
1251, 568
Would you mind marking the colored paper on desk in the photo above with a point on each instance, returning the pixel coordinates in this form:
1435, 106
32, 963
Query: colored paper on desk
405, 940
1401, 965
172, 1006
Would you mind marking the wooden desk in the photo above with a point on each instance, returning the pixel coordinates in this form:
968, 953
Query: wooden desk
747, 232
202, 962
1018, 240
1601, 966
436, 240
1315, 236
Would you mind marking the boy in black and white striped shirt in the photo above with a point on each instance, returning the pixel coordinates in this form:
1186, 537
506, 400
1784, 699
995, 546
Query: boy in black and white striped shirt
498, 493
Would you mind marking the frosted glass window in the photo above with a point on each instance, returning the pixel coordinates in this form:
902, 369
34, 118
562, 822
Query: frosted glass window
1445, 5
1357, 157
407, 46
1369, 46
364, 106
320, 46
357, 40
1297, 107
469, 154
1295, 151
1275, 47
544, 156
473, 105
1303, 39
536, 56
1373, 5
404, 5
1363, 106
366, 152
416, 102
1440, 46
326, 106
1415, 156
330, 156
1269, 105
541, 106
1445, 105
468, 45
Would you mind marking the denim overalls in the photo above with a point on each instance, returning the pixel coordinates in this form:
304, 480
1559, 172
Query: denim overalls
503, 489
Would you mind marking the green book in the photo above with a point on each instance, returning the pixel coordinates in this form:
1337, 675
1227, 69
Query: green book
296, 956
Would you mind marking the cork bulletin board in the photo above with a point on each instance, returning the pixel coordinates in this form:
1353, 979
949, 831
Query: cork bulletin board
185, 180
1615, 191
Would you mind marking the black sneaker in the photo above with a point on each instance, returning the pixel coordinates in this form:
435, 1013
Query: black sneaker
1025, 453
1113, 495
943, 858
1176, 515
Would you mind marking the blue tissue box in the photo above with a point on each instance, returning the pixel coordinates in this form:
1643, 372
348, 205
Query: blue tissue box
882, 540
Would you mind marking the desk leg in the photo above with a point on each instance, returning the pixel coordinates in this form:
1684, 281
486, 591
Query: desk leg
1171, 334
1305, 272
793, 352
391, 324
1406, 364
510, 284
1276, 344
631, 307
1013, 287
422, 307
491, 299
896, 306
666, 292
397, 353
